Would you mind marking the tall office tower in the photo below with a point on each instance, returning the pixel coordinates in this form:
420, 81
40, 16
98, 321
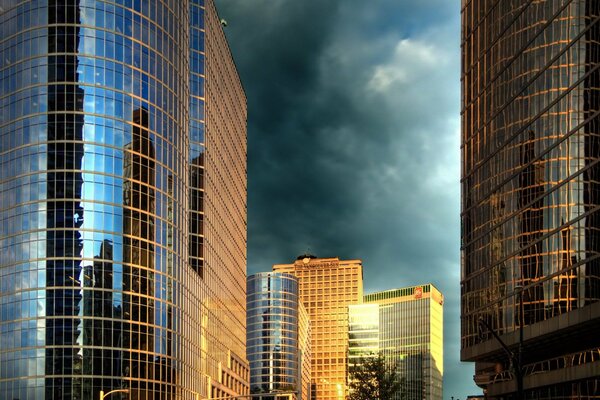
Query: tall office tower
327, 287
223, 275
531, 195
278, 330
411, 336
100, 287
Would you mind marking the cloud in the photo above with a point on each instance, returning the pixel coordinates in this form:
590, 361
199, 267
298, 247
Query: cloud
411, 59
354, 141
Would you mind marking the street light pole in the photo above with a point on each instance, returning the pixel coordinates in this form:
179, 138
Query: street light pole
517, 359
519, 366
103, 396
251, 395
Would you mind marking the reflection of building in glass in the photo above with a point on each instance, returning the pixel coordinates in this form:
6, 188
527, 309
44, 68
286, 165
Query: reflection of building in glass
530, 194
276, 337
100, 350
139, 166
411, 336
327, 287
363, 333
104, 180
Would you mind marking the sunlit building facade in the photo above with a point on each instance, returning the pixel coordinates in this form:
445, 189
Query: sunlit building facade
304, 353
117, 119
363, 333
531, 195
277, 333
327, 287
411, 337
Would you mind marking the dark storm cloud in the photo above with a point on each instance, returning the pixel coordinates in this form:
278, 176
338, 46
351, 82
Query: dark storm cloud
353, 140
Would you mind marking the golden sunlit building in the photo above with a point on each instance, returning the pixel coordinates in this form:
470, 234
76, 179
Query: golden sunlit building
363, 333
221, 264
304, 353
327, 287
411, 336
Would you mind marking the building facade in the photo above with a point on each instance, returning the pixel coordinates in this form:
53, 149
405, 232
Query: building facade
363, 333
327, 287
411, 337
114, 273
278, 330
530, 195
304, 352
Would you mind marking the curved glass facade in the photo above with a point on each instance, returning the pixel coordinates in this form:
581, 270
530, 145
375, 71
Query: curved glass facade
272, 335
100, 141
530, 173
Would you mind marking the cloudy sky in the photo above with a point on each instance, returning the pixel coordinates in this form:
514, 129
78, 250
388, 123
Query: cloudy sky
353, 134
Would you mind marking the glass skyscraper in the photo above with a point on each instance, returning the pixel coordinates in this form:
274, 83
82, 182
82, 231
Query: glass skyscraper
276, 337
531, 196
122, 201
411, 336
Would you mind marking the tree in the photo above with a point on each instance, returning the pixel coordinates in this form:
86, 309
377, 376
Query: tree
373, 379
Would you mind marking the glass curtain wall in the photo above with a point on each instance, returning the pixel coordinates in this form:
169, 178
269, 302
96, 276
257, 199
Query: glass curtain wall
93, 189
272, 323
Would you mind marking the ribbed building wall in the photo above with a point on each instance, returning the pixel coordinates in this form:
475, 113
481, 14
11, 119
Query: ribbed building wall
530, 193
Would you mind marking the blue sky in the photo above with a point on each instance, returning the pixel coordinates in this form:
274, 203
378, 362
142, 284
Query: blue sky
353, 135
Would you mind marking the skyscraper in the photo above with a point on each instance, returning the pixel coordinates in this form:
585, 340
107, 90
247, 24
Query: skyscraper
277, 335
530, 246
327, 287
411, 336
122, 201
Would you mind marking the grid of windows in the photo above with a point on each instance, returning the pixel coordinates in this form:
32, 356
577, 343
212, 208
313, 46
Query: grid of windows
327, 287
411, 336
304, 352
272, 332
530, 192
101, 137
224, 203
91, 133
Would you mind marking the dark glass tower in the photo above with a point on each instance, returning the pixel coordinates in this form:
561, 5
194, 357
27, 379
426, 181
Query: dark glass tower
530, 196
106, 279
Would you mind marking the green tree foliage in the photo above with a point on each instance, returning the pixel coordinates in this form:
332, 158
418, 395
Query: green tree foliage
374, 379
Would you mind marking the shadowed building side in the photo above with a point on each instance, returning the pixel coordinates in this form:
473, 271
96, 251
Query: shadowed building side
530, 206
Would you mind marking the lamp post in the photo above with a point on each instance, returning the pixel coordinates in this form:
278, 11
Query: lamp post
515, 359
519, 367
103, 395
289, 395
